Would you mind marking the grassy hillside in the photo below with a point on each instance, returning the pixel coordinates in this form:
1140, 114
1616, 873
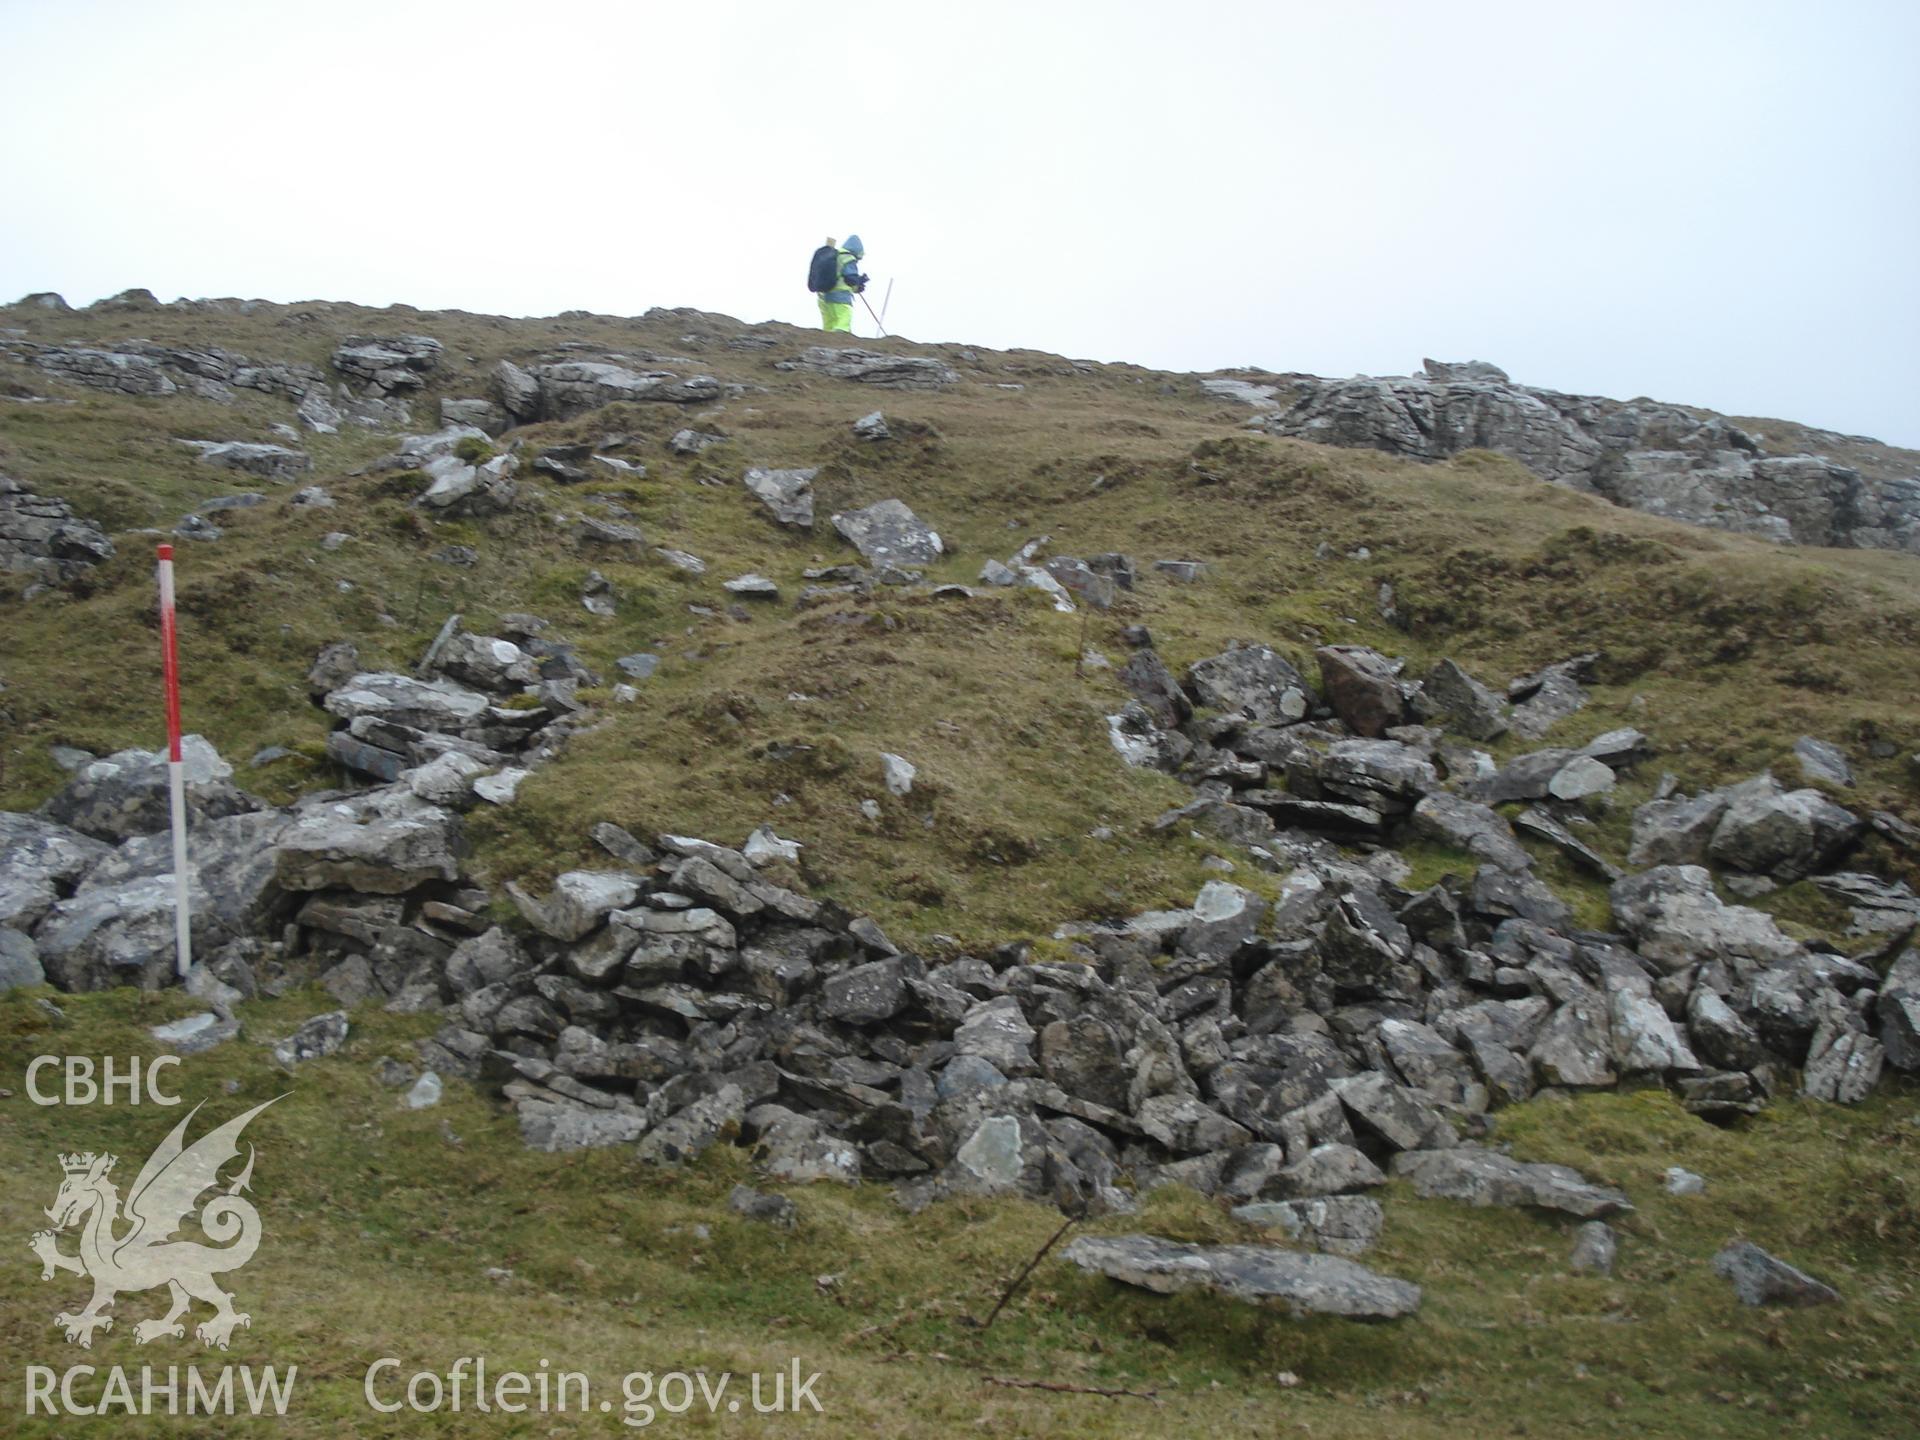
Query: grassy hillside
386, 1227
1724, 649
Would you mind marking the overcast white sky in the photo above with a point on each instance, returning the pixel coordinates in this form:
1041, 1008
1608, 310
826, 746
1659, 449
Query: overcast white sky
1710, 203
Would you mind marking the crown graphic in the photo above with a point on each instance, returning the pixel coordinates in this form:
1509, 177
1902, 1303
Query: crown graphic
80, 1164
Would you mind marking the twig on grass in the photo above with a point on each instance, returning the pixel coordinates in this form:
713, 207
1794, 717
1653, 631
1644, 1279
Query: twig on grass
1021, 1278
1009, 1382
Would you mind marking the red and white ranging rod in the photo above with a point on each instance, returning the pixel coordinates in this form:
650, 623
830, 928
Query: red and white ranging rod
176, 773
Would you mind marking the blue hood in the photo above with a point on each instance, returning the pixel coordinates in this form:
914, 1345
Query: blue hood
853, 247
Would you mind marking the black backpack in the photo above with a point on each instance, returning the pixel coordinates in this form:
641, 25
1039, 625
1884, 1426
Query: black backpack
823, 271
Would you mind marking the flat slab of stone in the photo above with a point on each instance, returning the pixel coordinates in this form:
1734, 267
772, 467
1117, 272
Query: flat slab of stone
194, 1033
870, 367
1483, 1177
1255, 1274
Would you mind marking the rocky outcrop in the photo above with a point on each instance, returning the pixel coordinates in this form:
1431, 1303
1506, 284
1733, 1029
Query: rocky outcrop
387, 365
270, 462
41, 536
870, 367
572, 387
1665, 459
142, 367
128, 373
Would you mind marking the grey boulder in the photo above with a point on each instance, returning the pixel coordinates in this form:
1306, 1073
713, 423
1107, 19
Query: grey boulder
19, 961
117, 934
1483, 1178
42, 851
1251, 681
270, 462
318, 1037
1338, 1224
1451, 697
692, 1131
787, 494
1786, 834
1305, 1284
1675, 920
1594, 1248
1468, 826
127, 792
332, 847
888, 533
1899, 1012
1761, 1279
1363, 687
578, 904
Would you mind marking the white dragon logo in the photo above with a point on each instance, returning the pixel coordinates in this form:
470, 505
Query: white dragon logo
146, 1256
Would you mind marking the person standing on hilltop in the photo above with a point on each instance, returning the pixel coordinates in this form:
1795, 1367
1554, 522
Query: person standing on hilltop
834, 276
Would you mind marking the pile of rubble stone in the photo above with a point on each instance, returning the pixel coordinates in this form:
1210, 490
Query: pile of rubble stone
1285, 1055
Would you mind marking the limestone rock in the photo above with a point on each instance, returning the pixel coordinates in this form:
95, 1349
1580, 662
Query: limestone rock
1470, 827
1676, 920
127, 792
1482, 1177
40, 536
688, 1134
870, 367
1899, 1012
573, 387
476, 413
332, 847
1330, 1169
787, 494
578, 903
39, 850
1339, 1224
386, 365
1761, 1279
1363, 687
1787, 834
997, 1031
19, 961
866, 994
516, 390
887, 533
1594, 1248
1452, 697
1664, 459
117, 934
319, 1037
270, 462
1675, 831
1306, 1284
194, 1034
1252, 681
1820, 761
